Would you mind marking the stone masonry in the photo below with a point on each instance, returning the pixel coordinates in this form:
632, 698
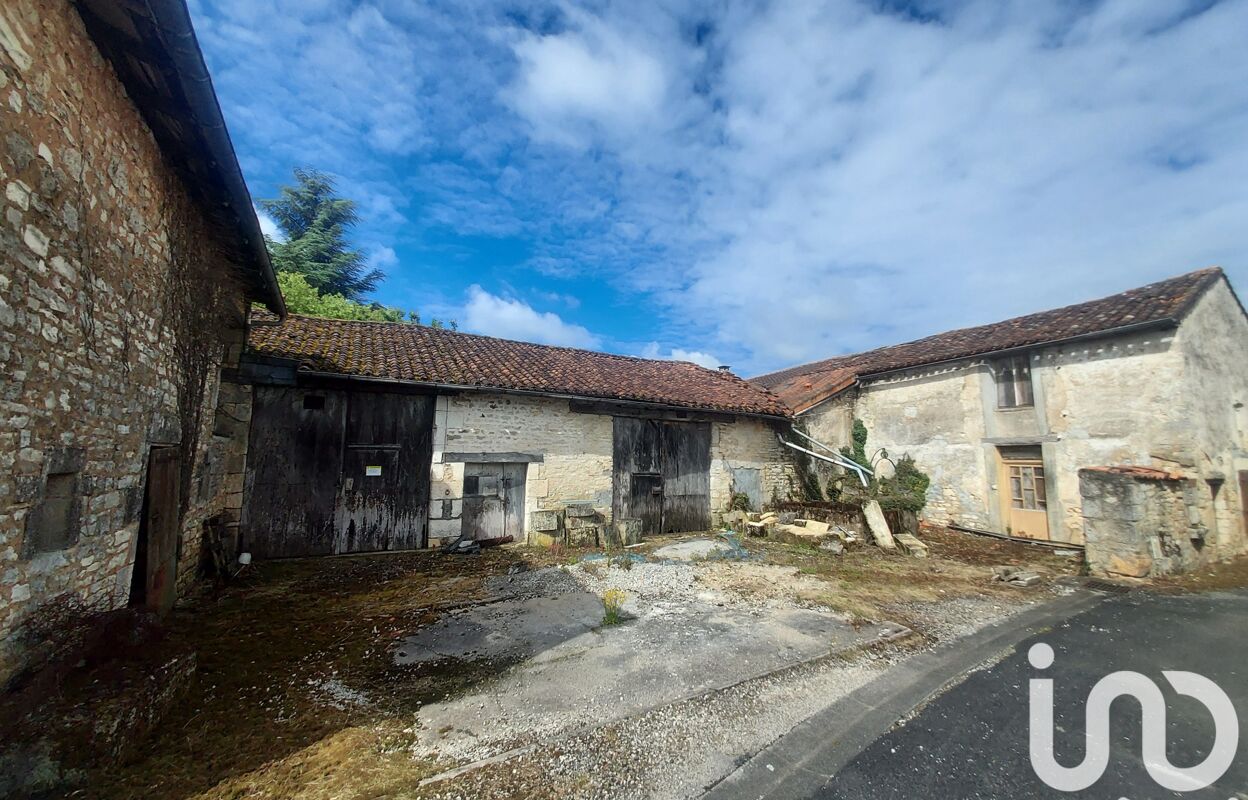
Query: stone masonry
86, 352
576, 453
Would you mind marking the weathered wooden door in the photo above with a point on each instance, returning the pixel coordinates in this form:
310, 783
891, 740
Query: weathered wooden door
493, 500
1243, 499
336, 472
686, 457
155, 580
646, 502
1026, 498
383, 498
294, 458
661, 474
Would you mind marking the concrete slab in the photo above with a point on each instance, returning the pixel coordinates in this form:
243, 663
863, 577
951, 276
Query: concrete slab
568, 673
693, 549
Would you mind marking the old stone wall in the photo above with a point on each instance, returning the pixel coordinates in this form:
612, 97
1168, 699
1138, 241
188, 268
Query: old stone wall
1139, 525
575, 450
739, 448
88, 346
1169, 399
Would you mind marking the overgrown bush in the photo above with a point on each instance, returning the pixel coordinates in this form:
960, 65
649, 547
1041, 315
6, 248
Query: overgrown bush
740, 502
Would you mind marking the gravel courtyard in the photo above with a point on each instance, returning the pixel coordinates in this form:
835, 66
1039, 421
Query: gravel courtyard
429, 675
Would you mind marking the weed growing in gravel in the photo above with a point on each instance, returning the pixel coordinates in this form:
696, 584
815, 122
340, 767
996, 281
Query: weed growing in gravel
612, 603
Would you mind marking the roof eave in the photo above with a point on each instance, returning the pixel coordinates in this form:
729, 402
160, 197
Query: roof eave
180, 52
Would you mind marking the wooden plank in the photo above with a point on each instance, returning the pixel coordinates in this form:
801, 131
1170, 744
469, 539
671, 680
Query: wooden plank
160, 528
513, 499
494, 458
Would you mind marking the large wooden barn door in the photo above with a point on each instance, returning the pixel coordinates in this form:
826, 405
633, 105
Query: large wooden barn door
383, 502
662, 474
294, 458
336, 472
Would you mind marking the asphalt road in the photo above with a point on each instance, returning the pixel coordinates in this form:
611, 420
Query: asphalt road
972, 741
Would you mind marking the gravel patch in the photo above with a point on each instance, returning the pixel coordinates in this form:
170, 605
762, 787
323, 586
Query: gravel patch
678, 750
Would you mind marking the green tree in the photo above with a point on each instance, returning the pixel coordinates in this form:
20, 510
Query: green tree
302, 298
316, 222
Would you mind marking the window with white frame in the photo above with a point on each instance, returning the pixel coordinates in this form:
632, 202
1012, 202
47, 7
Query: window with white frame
1013, 377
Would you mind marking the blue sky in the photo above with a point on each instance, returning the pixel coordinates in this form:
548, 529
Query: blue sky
751, 183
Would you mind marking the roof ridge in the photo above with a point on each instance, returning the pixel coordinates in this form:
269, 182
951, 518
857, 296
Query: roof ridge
835, 362
448, 332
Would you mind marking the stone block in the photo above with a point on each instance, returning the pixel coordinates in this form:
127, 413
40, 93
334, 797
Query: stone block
584, 536
627, 531
813, 525
576, 523
911, 545
579, 510
544, 521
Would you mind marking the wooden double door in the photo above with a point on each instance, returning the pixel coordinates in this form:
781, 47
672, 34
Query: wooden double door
493, 500
336, 471
661, 474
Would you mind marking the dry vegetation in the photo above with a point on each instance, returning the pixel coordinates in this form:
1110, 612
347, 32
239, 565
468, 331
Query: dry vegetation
865, 582
297, 694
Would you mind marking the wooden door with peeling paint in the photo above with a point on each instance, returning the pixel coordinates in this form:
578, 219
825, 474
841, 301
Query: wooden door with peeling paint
493, 500
661, 474
332, 471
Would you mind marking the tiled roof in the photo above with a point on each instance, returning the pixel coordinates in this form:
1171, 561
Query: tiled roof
1166, 301
422, 354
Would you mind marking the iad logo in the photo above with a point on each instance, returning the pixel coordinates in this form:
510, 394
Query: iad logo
1153, 713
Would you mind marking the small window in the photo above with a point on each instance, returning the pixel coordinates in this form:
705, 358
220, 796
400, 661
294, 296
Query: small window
1027, 487
1013, 377
53, 524
314, 402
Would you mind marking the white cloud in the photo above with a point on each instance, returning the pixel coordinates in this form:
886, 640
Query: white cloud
591, 76
653, 350
768, 182
514, 319
268, 226
383, 258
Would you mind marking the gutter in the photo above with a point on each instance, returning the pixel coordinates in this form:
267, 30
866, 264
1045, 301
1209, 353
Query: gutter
456, 387
178, 35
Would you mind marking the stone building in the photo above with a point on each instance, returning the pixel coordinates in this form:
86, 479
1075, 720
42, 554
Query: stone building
375, 436
131, 253
1004, 417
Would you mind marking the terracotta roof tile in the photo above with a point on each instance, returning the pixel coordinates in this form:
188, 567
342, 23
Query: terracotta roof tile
422, 354
803, 386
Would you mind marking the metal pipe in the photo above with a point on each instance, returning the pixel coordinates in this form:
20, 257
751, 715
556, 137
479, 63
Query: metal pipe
858, 469
837, 458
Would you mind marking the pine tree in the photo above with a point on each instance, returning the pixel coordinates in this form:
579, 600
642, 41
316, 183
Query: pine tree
316, 221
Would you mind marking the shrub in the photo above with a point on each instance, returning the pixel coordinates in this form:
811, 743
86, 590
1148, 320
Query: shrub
612, 605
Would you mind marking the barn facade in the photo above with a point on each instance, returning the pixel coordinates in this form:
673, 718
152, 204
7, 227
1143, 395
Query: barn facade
373, 436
